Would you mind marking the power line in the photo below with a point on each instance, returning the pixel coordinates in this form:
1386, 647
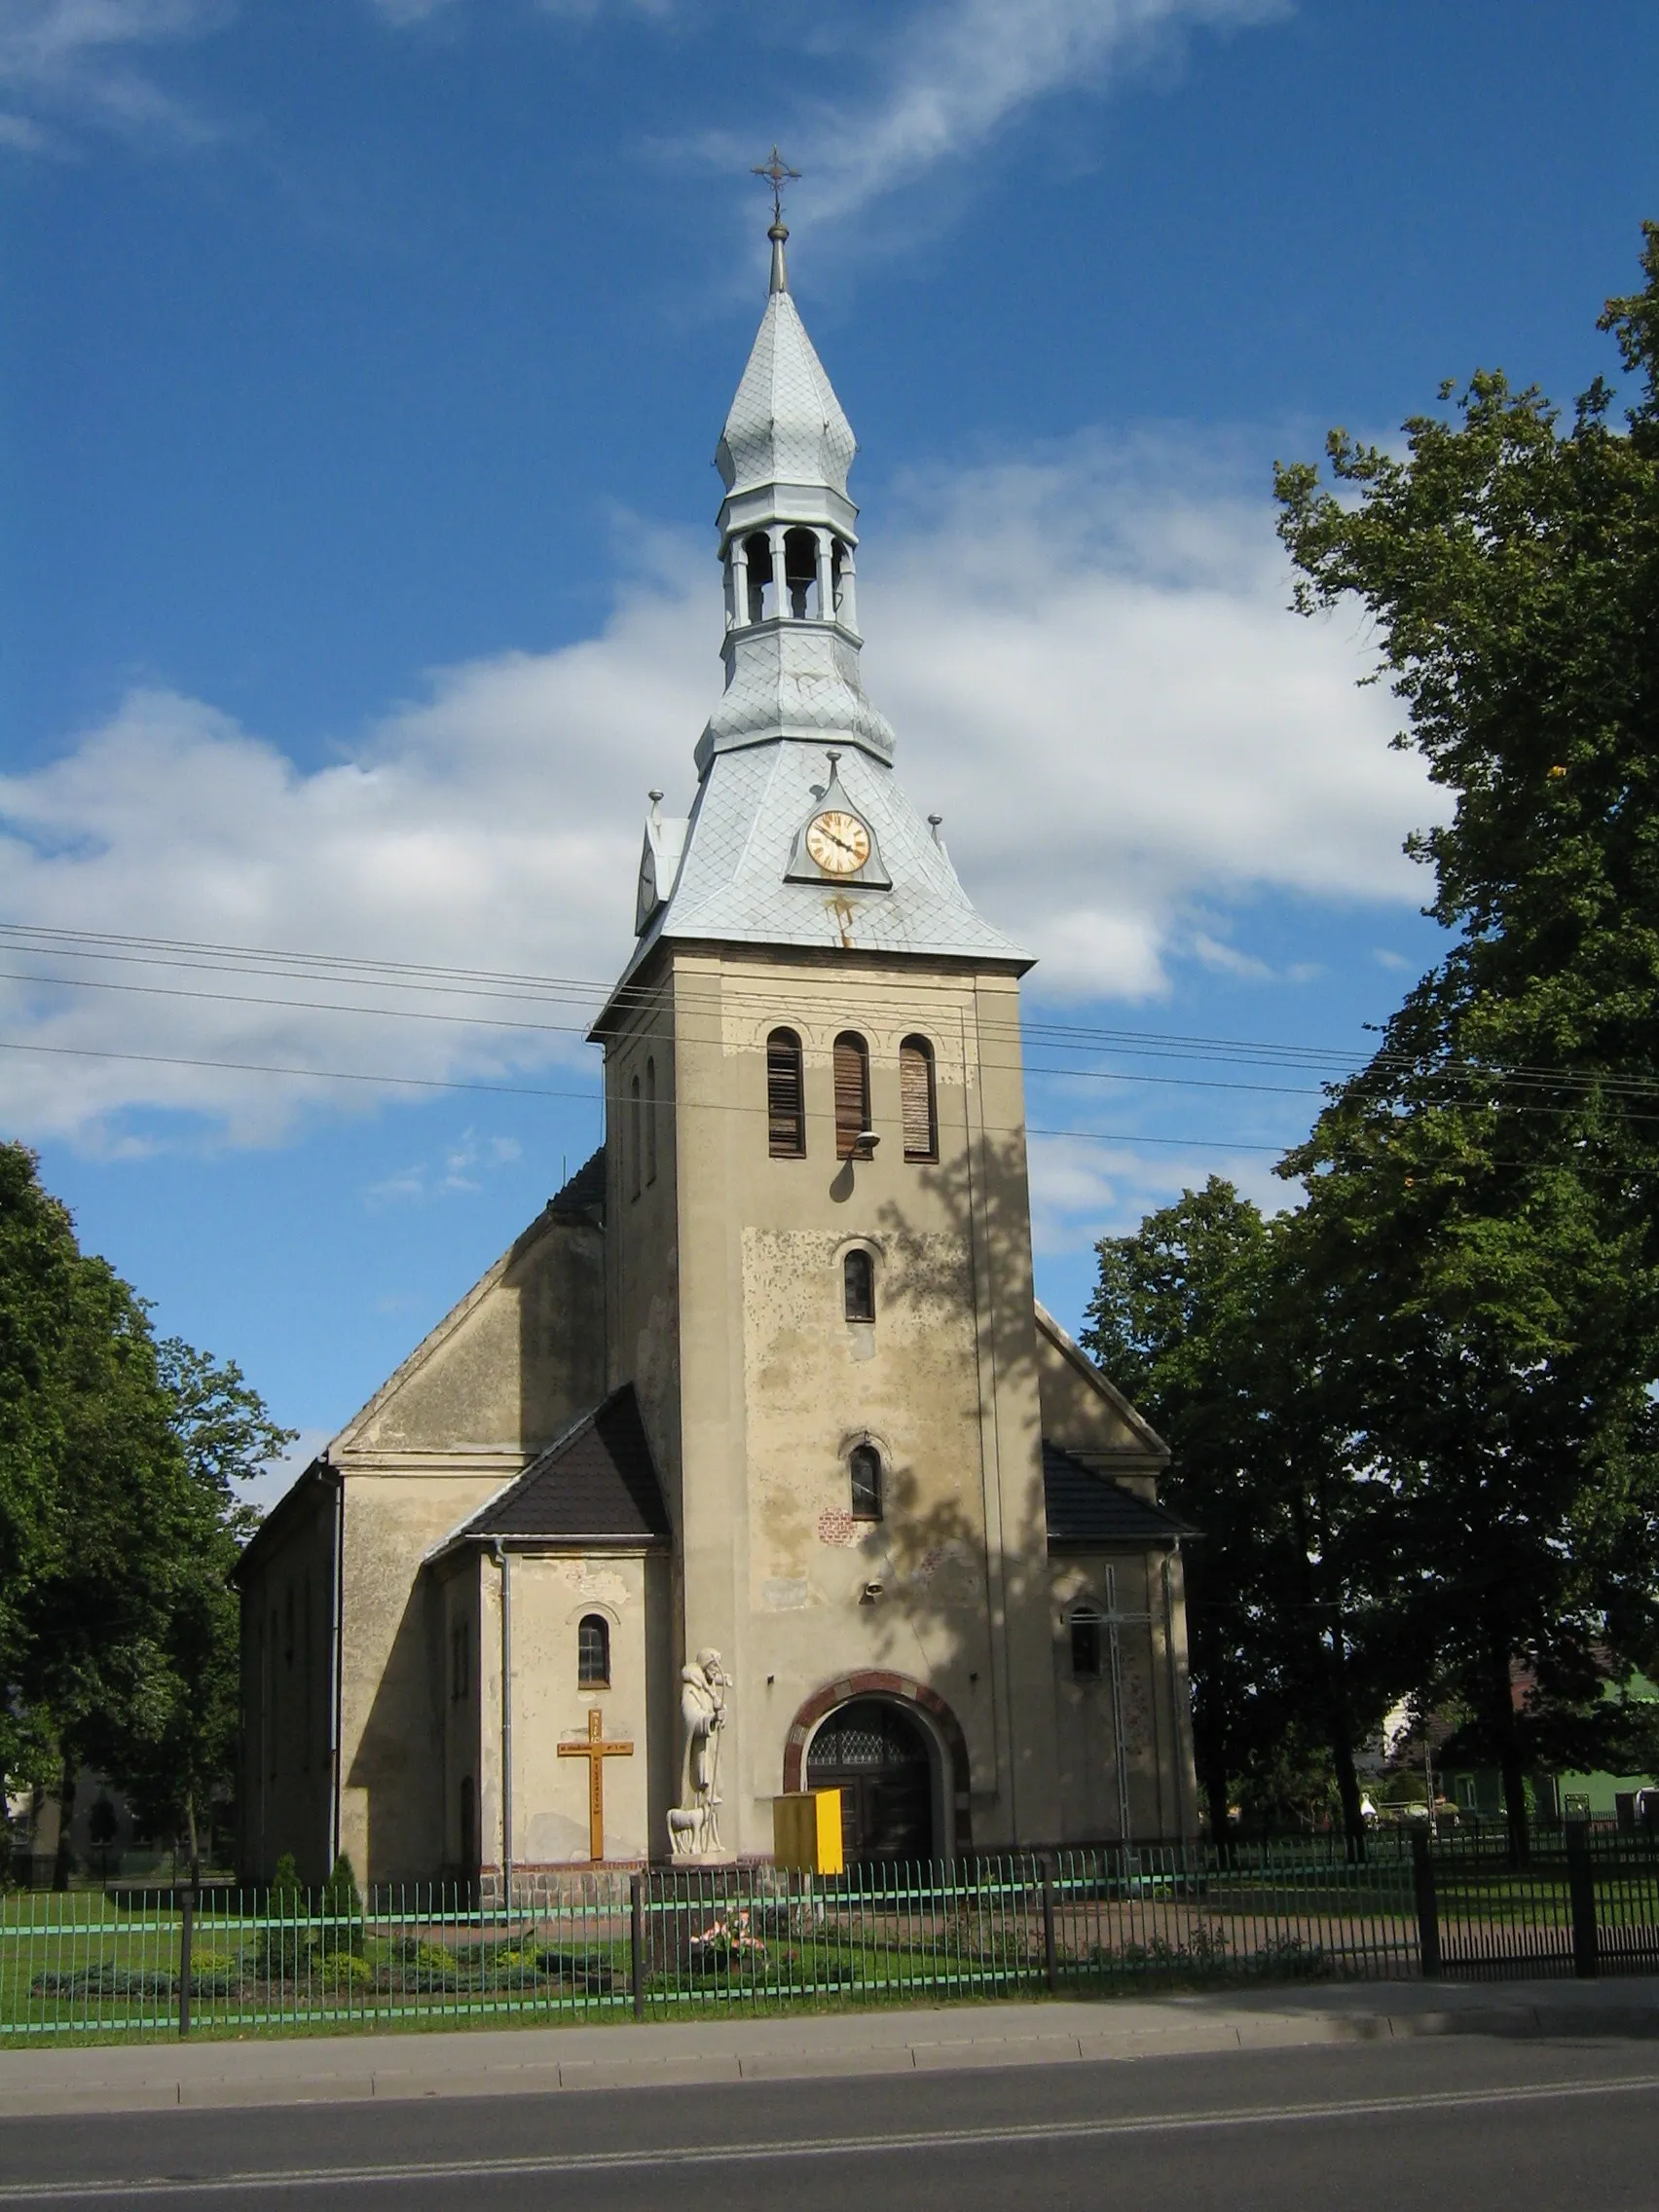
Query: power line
510, 986
530, 1091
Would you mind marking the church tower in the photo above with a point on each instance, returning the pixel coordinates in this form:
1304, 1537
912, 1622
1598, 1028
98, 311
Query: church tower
753, 1465
818, 1230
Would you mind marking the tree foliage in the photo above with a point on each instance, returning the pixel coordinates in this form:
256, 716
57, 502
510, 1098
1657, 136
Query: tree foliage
1481, 1196
119, 1524
1209, 1316
1446, 1361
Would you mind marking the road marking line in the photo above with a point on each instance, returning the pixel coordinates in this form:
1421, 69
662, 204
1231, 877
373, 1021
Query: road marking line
824, 2146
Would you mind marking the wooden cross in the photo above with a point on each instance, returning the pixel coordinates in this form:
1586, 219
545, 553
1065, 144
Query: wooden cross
596, 1751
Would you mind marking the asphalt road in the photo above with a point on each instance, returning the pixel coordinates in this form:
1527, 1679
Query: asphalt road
1461, 2122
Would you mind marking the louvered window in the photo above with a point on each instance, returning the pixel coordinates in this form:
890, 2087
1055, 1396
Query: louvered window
852, 1094
916, 1099
858, 1286
785, 1098
865, 1464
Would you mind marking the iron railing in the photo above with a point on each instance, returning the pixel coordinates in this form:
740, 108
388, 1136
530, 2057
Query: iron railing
673, 1943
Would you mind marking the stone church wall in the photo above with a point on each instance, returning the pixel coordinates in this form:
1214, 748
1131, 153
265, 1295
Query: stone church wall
550, 1595
1156, 1747
287, 1687
777, 1388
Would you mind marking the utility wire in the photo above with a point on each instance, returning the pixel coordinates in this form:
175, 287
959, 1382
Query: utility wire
532, 1090
504, 985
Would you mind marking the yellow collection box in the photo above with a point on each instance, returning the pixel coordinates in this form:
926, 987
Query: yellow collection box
806, 1833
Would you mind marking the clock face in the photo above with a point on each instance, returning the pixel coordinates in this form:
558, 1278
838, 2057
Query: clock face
838, 842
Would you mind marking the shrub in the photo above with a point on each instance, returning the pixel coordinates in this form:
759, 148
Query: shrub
343, 1906
284, 1948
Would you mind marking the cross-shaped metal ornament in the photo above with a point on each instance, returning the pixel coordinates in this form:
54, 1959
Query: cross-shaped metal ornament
596, 1751
777, 172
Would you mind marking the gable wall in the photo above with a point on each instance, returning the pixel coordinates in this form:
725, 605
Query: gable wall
513, 1365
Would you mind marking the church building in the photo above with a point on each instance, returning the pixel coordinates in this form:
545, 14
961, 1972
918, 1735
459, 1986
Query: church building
753, 1465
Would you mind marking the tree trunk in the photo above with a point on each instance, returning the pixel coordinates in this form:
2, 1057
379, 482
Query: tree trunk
65, 1814
1209, 1722
1509, 1758
1342, 1747
1210, 1758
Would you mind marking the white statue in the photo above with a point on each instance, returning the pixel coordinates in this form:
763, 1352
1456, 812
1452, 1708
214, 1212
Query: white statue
693, 1826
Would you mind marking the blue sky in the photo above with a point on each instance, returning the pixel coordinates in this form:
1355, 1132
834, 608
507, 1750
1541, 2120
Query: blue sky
361, 367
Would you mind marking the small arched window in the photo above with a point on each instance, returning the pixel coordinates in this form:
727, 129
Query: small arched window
801, 571
593, 1652
634, 1138
917, 1100
863, 1463
852, 1096
1086, 1625
786, 1096
858, 1286
651, 1120
758, 554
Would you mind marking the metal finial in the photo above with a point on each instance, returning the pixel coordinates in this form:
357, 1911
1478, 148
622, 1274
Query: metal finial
777, 172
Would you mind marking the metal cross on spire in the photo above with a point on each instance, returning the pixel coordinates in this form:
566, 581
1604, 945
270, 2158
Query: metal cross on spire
777, 172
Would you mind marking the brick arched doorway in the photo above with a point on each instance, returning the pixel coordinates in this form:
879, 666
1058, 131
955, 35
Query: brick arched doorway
914, 1706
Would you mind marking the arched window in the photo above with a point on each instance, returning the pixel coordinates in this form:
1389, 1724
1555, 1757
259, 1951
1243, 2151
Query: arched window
1086, 1626
801, 571
593, 1652
858, 1286
786, 1096
758, 552
651, 1120
916, 1099
864, 1462
852, 1096
634, 1138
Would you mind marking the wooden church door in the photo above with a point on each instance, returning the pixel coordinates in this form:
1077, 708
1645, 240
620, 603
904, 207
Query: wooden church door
877, 1758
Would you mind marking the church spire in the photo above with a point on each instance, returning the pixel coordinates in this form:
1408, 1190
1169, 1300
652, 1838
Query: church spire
778, 172
787, 538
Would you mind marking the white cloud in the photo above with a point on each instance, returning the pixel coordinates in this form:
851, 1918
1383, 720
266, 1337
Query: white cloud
1093, 679
1082, 1189
81, 59
956, 72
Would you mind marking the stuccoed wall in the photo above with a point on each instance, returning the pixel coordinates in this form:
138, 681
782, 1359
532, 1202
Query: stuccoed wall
502, 1376
775, 1386
1156, 1739
551, 1594
286, 1777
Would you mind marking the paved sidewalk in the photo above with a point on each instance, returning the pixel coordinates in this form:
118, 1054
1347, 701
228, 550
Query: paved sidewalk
495, 2061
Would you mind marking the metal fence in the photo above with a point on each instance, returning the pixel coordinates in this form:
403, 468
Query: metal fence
672, 1943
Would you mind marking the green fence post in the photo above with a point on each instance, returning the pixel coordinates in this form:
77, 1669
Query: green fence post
1581, 1894
1427, 1906
1050, 1956
636, 1941
186, 1940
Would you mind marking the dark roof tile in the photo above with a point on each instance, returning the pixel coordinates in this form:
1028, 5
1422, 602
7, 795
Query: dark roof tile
1090, 1511
598, 1484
